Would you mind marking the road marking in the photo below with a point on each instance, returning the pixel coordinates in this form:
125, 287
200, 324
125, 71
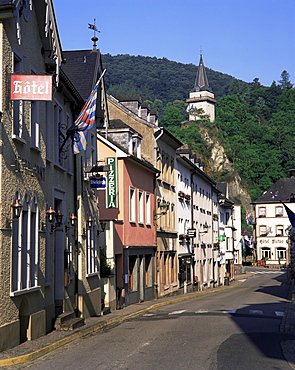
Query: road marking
177, 312
255, 312
279, 313
202, 311
242, 280
148, 315
229, 311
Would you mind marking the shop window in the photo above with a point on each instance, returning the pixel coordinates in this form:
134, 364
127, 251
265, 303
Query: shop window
281, 253
265, 253
91, 250
148, 270
132, 276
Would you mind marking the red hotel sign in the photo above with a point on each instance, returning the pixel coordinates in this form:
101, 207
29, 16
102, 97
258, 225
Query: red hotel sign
31, 87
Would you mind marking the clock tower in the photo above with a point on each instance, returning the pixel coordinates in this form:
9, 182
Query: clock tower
201, 96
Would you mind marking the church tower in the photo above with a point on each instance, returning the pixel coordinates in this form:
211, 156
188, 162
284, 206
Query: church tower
201, 96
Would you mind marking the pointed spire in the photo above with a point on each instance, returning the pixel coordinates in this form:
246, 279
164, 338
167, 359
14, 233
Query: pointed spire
201, 83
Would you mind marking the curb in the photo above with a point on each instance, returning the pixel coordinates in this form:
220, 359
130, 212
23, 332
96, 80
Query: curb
99, 326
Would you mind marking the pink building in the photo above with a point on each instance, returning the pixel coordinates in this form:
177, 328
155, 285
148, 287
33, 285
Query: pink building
128, 206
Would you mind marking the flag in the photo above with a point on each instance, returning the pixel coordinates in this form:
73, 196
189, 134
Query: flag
248, 218
85, 121
93, 27
291, 214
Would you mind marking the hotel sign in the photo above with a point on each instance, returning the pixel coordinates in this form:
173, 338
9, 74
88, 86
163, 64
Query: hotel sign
111, 193
30, 87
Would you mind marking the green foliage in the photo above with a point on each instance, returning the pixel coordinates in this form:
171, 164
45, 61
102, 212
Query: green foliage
254, 123
105, 267
158, 79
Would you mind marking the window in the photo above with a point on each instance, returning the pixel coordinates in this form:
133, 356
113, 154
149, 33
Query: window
18, 105
262, 230
91, 249
147, 208
48, 130
132, 276
25, 247
262, 212
281, 253
140, 207
279, 230
148, 270
279, 211
58, 128
35, 109
132, 205
265, 253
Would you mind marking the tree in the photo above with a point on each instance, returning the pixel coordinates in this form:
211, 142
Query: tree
172, 117
284, 82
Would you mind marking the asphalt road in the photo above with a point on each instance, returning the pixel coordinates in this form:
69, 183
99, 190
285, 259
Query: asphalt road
233, 329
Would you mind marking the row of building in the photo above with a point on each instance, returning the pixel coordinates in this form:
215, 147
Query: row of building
133, 217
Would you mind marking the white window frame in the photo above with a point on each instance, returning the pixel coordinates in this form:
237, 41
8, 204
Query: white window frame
140, 207
279, 211
262, 211
281, 253
148, 218
91, 251
262, 230
18, 105
132, 204
265, 253
280, 230
25, 248
35, 126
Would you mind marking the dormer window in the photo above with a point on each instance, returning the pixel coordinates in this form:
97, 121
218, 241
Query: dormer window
136, 145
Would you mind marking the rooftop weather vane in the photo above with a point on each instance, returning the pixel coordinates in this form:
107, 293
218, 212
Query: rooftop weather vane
201, 50
93, 27
94, 38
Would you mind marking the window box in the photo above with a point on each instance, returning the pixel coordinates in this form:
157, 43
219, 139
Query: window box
261, 216
279, 215
279, 234
264, 234
181, 194
187, 197
182, 237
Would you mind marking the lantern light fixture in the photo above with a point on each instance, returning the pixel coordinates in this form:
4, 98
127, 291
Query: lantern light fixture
16, 208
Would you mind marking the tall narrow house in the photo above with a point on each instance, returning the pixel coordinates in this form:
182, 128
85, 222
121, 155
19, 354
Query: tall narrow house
201, 96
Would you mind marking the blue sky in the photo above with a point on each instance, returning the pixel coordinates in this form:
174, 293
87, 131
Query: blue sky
243, 38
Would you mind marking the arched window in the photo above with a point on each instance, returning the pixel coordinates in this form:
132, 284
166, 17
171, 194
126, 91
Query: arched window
265, 253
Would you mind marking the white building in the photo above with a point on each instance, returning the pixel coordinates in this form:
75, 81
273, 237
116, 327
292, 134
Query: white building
272, 224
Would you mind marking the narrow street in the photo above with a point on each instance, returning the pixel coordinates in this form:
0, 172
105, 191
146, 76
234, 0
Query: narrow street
239, 328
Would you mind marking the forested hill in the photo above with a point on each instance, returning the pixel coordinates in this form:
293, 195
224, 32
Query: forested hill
155, 78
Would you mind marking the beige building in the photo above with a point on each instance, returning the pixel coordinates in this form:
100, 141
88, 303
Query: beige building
45, 204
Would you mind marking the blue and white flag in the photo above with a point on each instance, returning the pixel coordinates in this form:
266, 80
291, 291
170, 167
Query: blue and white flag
85, 121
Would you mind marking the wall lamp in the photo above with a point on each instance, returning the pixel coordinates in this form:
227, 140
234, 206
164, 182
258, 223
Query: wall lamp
16, 209
102, 225
73, 220
51, 215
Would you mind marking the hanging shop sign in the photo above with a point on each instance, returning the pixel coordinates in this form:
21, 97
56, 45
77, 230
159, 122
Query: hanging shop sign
31, 87
98, 182
111, 193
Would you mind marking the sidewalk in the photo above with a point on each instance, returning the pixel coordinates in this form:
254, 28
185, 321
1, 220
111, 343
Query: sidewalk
31, 350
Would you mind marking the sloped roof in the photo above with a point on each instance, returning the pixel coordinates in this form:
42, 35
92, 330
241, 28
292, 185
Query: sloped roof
131, 97
82, 69
201, 83
282, 189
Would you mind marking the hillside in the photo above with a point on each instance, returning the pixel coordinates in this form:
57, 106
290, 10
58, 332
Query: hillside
253, 128
158, 79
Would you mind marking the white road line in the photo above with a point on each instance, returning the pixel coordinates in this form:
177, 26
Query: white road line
177, 312
202, 311
242, 280
255, 312
279, 313
148, 315
229, 311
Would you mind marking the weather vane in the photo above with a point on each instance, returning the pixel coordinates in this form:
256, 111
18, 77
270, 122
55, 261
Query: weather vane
93, 27
201, 50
